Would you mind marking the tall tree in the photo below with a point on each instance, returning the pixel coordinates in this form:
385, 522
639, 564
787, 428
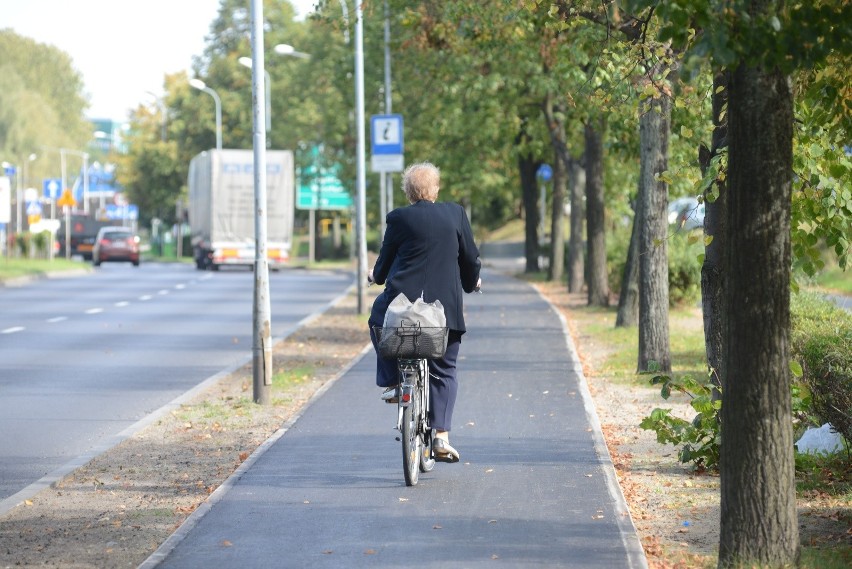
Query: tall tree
654, 127
628, 299
598, 284
575, 263
757, 297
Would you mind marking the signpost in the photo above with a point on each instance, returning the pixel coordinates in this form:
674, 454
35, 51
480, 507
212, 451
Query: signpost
386, 152
66, 202
544, 173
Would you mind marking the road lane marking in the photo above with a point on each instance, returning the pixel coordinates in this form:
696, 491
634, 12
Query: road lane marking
145, 297
122, 303
162, 292
94, 311
56, 319
12, 330
180, 286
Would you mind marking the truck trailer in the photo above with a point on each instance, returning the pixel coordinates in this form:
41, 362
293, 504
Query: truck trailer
222, 208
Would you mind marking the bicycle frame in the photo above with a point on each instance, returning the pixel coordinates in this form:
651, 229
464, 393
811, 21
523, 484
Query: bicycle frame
414, 374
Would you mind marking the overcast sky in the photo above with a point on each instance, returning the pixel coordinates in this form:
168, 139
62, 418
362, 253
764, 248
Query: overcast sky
122, 49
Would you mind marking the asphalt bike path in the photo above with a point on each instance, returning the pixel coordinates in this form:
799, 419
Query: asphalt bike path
535, 486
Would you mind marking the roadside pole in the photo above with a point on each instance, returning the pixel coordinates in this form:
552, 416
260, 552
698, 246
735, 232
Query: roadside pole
261, 310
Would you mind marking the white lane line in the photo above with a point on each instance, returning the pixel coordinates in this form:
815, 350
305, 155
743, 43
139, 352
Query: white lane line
56, 319
145, 297
94, 311
12, 330
162, 292
122, 304
180, 286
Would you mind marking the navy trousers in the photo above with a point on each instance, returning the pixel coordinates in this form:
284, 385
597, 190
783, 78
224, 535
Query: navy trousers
443, 385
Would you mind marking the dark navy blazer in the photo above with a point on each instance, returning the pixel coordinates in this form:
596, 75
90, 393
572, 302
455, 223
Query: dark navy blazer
428, 249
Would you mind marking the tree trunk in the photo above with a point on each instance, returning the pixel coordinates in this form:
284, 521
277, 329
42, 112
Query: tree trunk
558, 138
628, 299
595, 229
654, 126
758, 497
712, 277
529, 191
527, 167
577, 185
557, 222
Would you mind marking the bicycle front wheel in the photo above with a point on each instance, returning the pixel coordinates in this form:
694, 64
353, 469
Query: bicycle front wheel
412, 443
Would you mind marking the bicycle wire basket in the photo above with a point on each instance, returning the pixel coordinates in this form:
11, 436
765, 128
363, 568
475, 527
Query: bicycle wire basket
411, 342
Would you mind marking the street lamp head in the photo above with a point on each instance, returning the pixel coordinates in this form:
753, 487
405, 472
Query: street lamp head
198, 84
285, 49
245, 61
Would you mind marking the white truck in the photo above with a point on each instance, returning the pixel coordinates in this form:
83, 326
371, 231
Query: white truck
222, 211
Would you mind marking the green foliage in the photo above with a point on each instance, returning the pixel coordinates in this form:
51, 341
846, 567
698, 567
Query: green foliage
41, 103
821, 342
41, 241
791, 36
700, 439
685, 267
684, 249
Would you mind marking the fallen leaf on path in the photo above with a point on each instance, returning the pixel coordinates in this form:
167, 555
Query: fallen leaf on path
226, 543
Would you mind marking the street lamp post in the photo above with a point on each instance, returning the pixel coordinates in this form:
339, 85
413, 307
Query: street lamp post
361, 209
285, 49
361, 152
246, 61
200, 85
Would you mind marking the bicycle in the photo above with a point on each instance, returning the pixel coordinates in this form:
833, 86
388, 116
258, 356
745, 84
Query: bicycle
412, 347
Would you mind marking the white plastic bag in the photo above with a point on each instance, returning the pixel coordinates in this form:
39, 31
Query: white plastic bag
403, 312
822, 440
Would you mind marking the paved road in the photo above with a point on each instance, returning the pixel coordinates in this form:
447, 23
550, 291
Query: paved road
83, 359
535, 487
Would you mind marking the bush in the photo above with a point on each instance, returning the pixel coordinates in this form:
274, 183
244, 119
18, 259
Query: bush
684, 249
821, 342
685, 267
700, 439
22, 240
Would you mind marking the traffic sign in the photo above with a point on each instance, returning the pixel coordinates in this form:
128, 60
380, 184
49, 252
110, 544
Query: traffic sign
386, 143
386, 134
66, 199
122, 212
52, 188
327, 193
544, 172
5, 200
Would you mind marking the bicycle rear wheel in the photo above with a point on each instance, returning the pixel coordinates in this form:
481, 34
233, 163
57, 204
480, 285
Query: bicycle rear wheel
412, 443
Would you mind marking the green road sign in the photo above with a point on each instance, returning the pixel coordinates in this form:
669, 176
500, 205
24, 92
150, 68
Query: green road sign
325, 193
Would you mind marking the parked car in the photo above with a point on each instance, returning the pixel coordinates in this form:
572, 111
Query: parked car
686, 213
116, 244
